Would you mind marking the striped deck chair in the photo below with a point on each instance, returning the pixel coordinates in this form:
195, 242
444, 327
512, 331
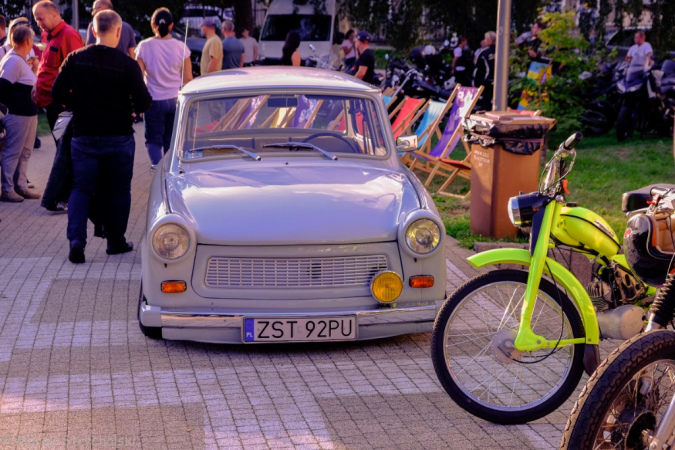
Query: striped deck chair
428, 125
409, 111
431, 162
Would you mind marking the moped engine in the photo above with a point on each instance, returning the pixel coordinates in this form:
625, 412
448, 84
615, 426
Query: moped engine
614, 286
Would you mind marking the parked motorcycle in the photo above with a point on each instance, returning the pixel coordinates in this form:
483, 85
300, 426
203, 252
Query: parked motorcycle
641, 104
425, 76
628, 403
510, 346
327, 61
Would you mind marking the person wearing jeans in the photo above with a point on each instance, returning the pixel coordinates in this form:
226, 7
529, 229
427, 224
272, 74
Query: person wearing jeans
90, 155
103, 86
159, 127
166, 66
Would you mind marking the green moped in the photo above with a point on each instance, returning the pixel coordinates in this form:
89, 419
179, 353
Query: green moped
510, 346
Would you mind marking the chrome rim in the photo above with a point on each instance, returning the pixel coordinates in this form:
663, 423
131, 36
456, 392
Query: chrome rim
638, 408
494, 380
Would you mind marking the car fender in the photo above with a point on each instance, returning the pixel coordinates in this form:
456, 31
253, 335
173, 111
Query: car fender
560, 274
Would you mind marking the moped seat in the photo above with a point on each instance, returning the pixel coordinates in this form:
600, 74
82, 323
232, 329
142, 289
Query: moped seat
638, 198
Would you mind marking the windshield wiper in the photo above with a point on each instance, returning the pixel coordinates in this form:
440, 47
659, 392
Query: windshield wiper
297, 145
226, 147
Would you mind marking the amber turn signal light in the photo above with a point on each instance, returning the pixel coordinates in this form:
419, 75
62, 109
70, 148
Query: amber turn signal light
422, 282
174, 287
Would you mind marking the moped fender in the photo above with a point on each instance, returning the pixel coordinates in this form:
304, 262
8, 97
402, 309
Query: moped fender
560, 274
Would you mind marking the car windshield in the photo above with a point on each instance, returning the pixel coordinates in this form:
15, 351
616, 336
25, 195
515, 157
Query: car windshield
337, 124
315, 27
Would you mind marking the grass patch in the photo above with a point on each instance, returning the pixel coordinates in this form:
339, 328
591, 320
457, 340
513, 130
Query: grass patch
43, 125
603, 171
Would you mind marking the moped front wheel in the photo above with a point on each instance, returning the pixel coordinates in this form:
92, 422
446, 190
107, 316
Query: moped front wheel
475, 359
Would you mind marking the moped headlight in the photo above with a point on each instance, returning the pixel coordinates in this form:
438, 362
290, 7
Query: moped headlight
170, 241
423, 236
523, 207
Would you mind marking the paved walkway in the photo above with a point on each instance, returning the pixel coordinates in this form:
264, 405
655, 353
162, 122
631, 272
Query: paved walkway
75, 371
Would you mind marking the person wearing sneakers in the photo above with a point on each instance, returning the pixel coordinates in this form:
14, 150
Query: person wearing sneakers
103, 143
17, 81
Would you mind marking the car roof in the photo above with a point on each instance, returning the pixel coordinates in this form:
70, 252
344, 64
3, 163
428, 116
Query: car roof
276, 77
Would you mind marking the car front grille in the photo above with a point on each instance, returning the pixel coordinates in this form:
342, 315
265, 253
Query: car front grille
228, 272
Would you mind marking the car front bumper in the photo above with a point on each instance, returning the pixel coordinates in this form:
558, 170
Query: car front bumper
226, 327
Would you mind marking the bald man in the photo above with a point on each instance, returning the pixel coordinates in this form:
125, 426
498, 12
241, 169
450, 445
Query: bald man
61, 40
127, 44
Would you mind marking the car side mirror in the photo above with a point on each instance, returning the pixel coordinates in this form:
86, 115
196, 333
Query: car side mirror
406, 143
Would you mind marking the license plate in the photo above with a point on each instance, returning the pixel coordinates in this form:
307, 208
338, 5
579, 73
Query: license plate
289, 330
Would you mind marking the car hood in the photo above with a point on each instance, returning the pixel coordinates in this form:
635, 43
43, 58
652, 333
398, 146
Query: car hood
263, 203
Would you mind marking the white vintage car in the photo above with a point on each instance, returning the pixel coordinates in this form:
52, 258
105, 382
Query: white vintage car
282, 213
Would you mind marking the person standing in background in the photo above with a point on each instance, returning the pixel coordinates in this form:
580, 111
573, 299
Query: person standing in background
212, 53
640, 54
290, 55
17, 81
462, 62
61, 40
233, 49
165, 63
365, 65
349, 49
3, 30
485, 71
127, 44
103, 87
250, 48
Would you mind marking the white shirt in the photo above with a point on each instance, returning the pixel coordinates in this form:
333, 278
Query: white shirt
7, 47
14, 69
352, 48
163, 60
638, 55
250, 44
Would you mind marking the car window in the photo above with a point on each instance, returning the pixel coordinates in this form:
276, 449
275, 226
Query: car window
339, 124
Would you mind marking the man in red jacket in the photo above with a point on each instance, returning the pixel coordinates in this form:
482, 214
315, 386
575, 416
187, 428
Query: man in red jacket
61, 40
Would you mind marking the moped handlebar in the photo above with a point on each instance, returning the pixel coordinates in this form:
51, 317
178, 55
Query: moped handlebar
659, 191
571, 142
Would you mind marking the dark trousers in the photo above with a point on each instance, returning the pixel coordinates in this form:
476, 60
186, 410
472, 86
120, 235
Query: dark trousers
110, 158
159, 128
485, 103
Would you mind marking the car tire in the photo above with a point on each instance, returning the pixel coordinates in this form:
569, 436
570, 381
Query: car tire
151, 332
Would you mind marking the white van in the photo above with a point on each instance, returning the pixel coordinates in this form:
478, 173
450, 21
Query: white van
321, 29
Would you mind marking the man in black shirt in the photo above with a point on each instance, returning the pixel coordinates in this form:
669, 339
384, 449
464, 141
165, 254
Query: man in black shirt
484, 75
365, 65
102, 86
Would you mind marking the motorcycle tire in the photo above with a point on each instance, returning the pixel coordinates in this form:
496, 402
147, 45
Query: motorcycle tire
608, 381
449, 374
624, 124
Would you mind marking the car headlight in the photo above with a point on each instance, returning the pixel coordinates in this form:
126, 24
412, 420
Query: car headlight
423, 236
523, 207
170, 241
